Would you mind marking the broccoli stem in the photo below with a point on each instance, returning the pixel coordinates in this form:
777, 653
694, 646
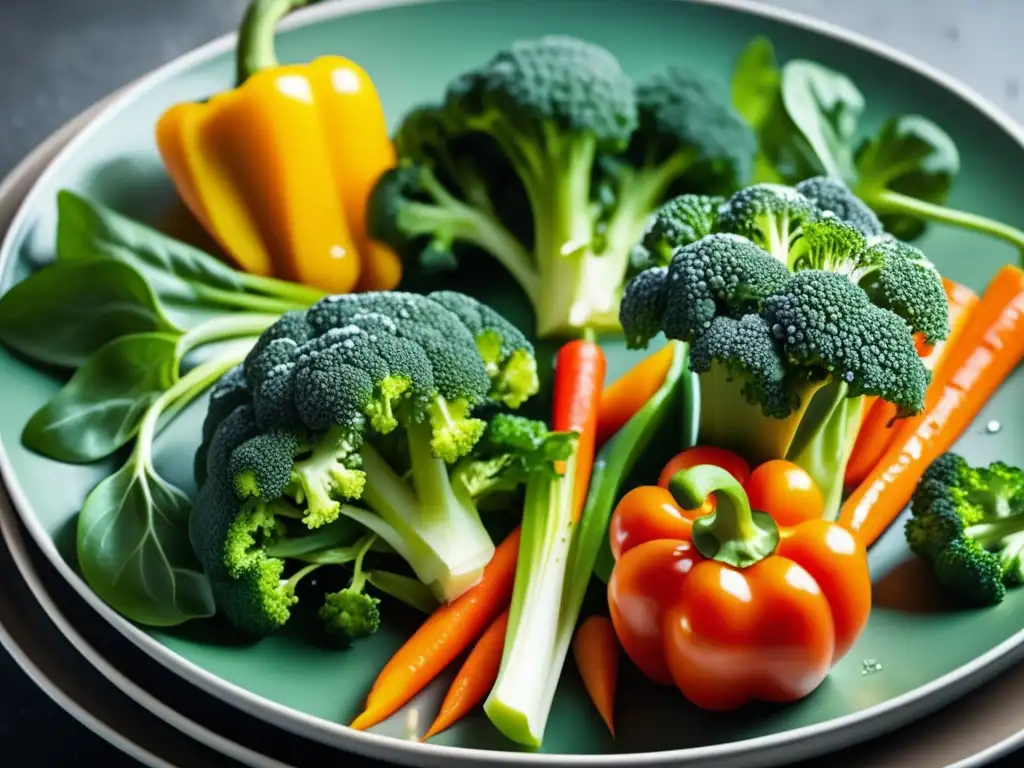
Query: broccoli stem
410, 591
885, 201
732, 534
992, 533
293, 581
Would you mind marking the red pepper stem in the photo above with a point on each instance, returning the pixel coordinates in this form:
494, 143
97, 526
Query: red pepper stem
732, 534
255, 49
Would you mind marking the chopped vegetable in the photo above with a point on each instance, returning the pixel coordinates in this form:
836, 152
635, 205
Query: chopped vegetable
446, 633
793, 315
807, 116
968, 525
621, 399
988, 350
474, 679
780, 605
596, 650
880, 422
279, 170
550, 159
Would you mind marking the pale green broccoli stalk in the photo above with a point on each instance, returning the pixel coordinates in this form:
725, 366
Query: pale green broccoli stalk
793, 315
359, 408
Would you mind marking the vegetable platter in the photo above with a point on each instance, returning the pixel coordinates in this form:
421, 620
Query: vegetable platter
558, 397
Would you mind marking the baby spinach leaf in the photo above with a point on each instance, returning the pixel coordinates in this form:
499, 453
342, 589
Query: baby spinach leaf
100, 408
66, 311
912, 156
825, 106
134, 550
87, 229
755, 82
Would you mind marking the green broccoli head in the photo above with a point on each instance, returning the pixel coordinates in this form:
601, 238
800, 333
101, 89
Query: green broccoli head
349, 615
967, 523
682, 220
832, 195
229, 392
771, 215
261, 467
689, 131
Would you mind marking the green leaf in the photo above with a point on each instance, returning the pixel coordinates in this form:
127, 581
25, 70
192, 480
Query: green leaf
100, 408
755, 82
913, 156
825, 106
134, 550
66, 311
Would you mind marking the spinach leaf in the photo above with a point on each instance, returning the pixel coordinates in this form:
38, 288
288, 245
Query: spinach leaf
825, 106
134, 550
100, 408
912, 156
755, 82
66, 311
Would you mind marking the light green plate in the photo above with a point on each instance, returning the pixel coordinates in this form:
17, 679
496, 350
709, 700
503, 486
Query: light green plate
928, 652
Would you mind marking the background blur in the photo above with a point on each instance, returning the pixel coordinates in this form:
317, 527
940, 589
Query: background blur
57, 57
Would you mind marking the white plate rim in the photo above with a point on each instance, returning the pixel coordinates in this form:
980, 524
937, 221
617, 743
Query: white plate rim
856, 726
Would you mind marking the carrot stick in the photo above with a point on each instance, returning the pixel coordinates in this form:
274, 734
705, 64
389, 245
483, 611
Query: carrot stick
878, 427
446, 633
989, 348
596, 650
474, 680
579, 377
628, 393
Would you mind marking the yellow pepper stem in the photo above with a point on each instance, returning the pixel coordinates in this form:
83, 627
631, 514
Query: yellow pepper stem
255, 50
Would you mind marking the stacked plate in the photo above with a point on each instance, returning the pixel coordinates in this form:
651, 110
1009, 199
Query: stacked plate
949, 683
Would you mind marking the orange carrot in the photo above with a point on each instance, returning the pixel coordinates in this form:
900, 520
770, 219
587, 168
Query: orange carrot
628, 393
474, 680
878, 427
596, 650
446, 633
988, 350
579, 378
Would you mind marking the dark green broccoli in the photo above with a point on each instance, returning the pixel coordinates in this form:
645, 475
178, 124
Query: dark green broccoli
967, 523
550, 159
682, 220
230, 391
316, 448
832, 195
793, 316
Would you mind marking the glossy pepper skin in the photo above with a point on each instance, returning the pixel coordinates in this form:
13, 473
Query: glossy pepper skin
279, 170
728, 606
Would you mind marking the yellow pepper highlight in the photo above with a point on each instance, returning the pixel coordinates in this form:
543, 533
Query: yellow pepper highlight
280, 169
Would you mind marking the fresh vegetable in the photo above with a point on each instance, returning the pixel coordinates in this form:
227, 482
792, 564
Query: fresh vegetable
446, 633
279, 170
793, 315
519, 702
807, 119
779, 605
351, 613
474, 679
550, 159
621, 399
731, 462
360, 407
989, 349
881, 422
785, 491
596, 650
968, 525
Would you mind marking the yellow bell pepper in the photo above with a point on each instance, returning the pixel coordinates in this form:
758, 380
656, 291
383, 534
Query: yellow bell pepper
280, 169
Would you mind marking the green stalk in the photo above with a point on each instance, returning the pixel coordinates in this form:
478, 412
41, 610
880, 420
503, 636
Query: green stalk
253, 302
885, 201
255, 50
223, 328
991, 532
186, 389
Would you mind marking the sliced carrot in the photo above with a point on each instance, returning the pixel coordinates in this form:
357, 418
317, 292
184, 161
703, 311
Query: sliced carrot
579, 378
446, 633
474, 680
879, 425
627, 394
988, 350
596, 650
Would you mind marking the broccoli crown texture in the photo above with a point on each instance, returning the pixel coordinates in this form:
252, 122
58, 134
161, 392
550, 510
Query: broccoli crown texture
833, 196
682, 220
968, 524
771, 215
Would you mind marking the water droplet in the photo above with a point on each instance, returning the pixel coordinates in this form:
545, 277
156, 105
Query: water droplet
312, 582
993, 426
870, 667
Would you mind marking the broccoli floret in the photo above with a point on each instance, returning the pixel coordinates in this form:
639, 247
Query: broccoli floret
351, 613
791, 325
230, 391
967, 523
771, 215
384, 392
832, 195
682, 220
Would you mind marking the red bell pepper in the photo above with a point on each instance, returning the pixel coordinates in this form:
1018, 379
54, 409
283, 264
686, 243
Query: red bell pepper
729, 606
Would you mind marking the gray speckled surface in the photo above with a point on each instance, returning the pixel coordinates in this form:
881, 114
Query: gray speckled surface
59, 56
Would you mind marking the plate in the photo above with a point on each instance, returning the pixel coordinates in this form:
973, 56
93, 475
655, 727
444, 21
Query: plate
310, 691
